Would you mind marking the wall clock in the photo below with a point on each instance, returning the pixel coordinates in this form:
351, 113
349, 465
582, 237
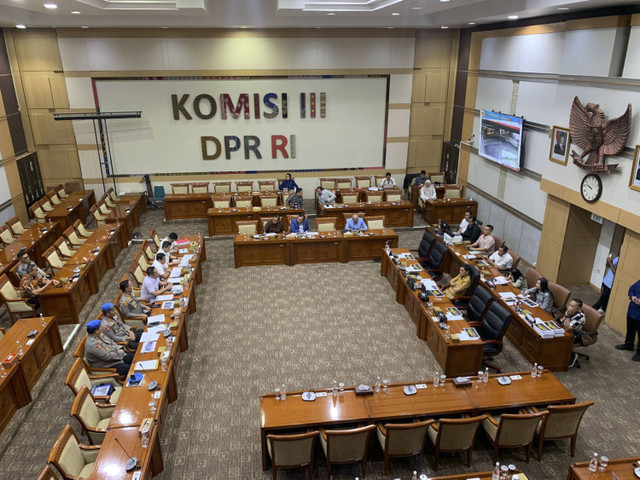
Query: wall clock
591, 188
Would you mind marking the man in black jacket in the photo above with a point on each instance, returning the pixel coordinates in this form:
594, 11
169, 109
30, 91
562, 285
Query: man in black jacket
472, 233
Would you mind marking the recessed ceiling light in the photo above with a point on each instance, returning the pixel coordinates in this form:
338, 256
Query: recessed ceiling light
472, 23
330, 13
317, 27
76, 12
416, 8
84, 26
512, 17
165, 27
396, 14
444, 27
563, 8
20, 26
50, 6
443, 1
243, 26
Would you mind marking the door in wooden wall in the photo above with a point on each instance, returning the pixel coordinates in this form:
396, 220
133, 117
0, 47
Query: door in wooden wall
449, 162
30, 178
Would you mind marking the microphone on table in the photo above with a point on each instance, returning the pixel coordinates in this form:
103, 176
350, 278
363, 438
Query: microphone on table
132, 462
152, 384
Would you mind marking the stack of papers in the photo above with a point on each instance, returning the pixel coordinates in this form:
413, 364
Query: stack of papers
177, 289
146, 365
155, 319
164, 298
176, 271
157, 329
548, 329
148, 347
500, 280
469, 334
149, 337
182, 251
183, 263
175, 280
453, 313
507, 295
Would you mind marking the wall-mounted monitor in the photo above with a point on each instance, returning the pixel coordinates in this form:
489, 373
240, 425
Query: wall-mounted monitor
501, 138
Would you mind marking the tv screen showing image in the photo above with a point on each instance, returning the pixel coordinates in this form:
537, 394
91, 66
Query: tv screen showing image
501, 138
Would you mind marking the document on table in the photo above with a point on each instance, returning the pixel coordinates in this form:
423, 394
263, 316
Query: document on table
156, 329
429, 284
506, 295
148, 347
182, 251
168, 305
500, 280
453, 313
183, 263
177, 289
176, 271
164, 298
149, 337
155, 319
146, 365
468, 334
175, 280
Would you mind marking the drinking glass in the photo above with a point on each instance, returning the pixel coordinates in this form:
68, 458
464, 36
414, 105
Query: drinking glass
480, 375
153, 407
283, 392
334, 387
341, 388
540, 368
4, 371
436, 380
443, 378
604, 461
145, 440
385, 384
277, 393
377, 384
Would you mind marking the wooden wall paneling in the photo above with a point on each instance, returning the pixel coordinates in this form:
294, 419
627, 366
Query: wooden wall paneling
419, 81
38, 90
3, 112
59, 91
37, 50
46, 131
15, 188
427, 119
433, 48
579, 247
552, 237
626, 275
436, 85
59, 164
6, 145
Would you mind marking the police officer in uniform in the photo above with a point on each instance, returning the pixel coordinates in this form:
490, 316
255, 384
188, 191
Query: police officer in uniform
129, 306
114, 328
102, 352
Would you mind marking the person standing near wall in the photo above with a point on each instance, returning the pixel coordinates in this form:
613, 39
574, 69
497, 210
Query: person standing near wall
607, 284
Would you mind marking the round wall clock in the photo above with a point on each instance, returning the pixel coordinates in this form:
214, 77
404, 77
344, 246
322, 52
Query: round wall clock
591, 188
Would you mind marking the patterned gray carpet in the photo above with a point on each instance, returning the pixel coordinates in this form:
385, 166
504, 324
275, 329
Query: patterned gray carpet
256, 328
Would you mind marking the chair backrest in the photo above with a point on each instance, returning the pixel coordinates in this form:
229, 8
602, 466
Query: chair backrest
475, 278
452, 191
325, 224
266, 185
329, 183
111, 193
394, 196
7, 290
5, 235
379, 179
343, 183
108, 201
560, 294
62, 247
592, 321
222, 187
158, 192
426, 244
140, 259
532, 277
15, 225
287, 220
375, 222
61, 191
516, 258
374, 196
495, 322
292, 450
104, 208
268, 201
81, 229
348, 215
405, 438
146, 248
517, 429
153, 235
84, 409
47, 474
349, 198
458, 433
222, 202
52, 258
247, 227
137, 273
45, 204
66, 455
479, 303
200, 187
363, 182
436, 177
244, 186
348, 445
437, 256
242, 202
179, 188
99, 218
563, 421
71, 235
497, 240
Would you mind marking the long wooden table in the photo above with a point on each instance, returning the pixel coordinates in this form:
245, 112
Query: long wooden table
15, 388
74, 207
415, 194
295, 413
396, 214
222, 221
474, 476
292, 249
36, 239
450, 210
186, 206
622, 467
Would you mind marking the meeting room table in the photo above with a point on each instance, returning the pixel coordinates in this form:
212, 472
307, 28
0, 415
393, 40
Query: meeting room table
74, 207
222, 221
396, 214
449, 210
35, 240
623, 468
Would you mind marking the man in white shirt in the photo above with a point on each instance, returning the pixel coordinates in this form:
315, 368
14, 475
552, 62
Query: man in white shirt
465, 221
162, 266
152, 286
501, 258
388, 181
171, 238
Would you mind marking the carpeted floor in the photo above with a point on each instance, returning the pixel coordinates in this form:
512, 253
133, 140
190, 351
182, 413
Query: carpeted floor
256, 328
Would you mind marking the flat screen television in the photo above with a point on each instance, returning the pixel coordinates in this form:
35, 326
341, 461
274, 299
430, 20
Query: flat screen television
501, 138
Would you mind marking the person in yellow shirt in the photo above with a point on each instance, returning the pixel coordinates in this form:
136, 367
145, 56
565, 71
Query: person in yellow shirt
459, 285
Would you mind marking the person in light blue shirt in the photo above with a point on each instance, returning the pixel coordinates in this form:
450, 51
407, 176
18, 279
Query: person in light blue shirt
288, 183
355, 223
607, 284
325, 197
299, 225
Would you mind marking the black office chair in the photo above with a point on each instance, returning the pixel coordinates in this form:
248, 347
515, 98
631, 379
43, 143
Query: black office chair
475, 306
436, 259
492, 329
426, 244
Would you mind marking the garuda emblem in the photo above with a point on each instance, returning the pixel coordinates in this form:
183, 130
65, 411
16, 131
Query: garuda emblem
595, 136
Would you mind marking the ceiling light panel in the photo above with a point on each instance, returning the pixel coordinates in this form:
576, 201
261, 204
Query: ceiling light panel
336, 5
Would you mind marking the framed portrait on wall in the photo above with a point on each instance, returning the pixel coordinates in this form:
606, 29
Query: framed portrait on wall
559, 148
634, 181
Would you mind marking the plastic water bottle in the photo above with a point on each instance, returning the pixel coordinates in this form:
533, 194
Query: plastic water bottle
415, 475
593, 464
534, 371
283, 392
19, 347
496, 472
485, 377
377, 384
42, 321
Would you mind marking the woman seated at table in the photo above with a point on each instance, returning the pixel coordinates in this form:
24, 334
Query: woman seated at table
460, 284
541, 294
517, 279
427, 192
288, 183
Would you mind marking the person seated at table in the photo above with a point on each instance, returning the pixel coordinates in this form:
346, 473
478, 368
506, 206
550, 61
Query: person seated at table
541, 294
129, 306
325, 197
299, 224
118, 331
427, 192
516, 277
152, 286
459, 284
472, 233
288, 183
25, 261
172, 239
31, 285
501, 258
420, 179
485, 243
274, 225
355, 224
573, 320
295, 199
465, 222
388, 181
102, 352
166, 249
162, 266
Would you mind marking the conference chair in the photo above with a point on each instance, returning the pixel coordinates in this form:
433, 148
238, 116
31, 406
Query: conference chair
53, 259
224, 202
498, 241
475, 307
348, 198
82, 373
452, 191
436, 177
268, 201
153, 236
180, 188
53, 197
63, 248
13, 275
222, 187
475, 278
104, 208
559, 422
243, 201
16, 227
374, 222
108, 202
72, 237
132, 322
511, 431
45, 204
266, 185
348, 215
47, 474
424, 248
436, 259
516, 258
287, 220
71, 458
79, 351
140, 259
343, 183
82, 230
111, 193
158, 193
379, 179
346, 446
593, 319
393, 195
374, 195
532, 276
247, 227
5, 235
560, 295
492, 329
291, 451
16, 305
324, 224
148, 252
402, 440
329, 183
38, 213
246, 186
200, 187
61, 191
100, 218
94, 417
137, 273
363, 182
454, 435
